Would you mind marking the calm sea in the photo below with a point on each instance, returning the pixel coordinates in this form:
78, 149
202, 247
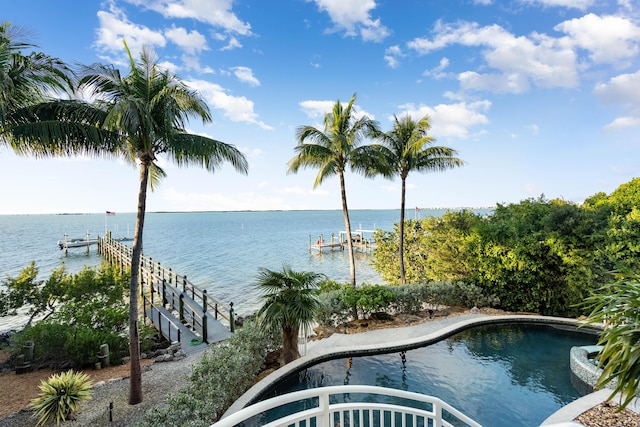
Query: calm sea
217, 251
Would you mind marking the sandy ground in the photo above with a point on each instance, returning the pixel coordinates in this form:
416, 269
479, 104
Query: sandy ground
19, 390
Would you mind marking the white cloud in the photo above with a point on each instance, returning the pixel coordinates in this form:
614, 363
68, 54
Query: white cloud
236, 108
622, 123
234, 43
245, 75
609, 39
519, 62
483, 2
437, 72
576, 4
314, 109
623, 89
391, 55
354, 18
191, 42
115, 27
217, 13
450, 120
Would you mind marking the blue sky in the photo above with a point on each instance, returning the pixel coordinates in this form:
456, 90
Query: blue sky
538, 96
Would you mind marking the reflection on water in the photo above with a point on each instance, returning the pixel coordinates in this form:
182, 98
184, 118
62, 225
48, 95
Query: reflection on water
521, 372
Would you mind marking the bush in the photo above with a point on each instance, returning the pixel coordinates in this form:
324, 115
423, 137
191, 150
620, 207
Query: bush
410, 298
58, 345
332, 310
459, 294
89, 311
367, 299
225, 372
60, 396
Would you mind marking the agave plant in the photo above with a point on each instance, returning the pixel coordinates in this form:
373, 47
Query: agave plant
60, 396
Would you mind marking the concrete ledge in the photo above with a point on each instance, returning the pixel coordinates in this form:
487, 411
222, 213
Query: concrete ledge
584, 368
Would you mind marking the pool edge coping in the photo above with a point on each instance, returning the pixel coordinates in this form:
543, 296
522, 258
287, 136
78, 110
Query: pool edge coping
329, 352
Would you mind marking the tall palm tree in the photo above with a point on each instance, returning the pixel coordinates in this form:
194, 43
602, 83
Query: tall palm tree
148, 109
406, 148
334, 149
290, 304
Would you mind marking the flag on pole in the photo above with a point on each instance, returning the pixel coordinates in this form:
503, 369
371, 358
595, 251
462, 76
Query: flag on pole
417, 209
109, 213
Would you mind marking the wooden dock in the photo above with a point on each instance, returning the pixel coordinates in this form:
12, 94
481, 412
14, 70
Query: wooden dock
359, 242
181, 311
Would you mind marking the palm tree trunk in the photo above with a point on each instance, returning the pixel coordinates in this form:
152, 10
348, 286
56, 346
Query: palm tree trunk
289, 344
347, 226
403, 280
135, 385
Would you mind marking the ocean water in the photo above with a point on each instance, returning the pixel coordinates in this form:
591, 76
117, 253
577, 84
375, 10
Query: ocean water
218, 251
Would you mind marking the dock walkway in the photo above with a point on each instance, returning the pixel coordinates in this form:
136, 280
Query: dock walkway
181, 311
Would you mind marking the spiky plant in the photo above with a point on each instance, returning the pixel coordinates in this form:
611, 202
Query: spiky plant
60, 396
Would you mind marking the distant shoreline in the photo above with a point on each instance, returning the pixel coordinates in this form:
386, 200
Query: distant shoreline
460, 208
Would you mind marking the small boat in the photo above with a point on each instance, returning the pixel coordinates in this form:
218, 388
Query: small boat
85, 242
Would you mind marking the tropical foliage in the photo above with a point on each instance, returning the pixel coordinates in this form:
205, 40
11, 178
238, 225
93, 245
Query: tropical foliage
83, 311
617, 307
336, 300
335, 149
25, 81
223, 374
539, 255
290, 304
406, 148
60, 396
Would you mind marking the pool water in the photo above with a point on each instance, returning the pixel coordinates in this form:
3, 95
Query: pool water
512, 375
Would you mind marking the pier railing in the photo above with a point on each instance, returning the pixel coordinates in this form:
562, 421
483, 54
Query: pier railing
161, 286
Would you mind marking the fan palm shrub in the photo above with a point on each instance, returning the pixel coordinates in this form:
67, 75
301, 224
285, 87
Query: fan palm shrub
290, 304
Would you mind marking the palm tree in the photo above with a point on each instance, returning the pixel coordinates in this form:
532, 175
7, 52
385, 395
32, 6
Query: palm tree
334, 149
26, 81
406, 148
290, 304
148, 109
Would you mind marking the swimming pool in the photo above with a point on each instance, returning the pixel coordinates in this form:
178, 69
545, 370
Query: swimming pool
505, 375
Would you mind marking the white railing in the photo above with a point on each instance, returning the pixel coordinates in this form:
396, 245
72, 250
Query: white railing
355, 408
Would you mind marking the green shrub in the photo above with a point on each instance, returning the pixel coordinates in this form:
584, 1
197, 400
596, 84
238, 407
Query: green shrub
332, 310
367, 299
60, 396
83, 344
49, 341
410, 298
57, 344
225, 372
459, 294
